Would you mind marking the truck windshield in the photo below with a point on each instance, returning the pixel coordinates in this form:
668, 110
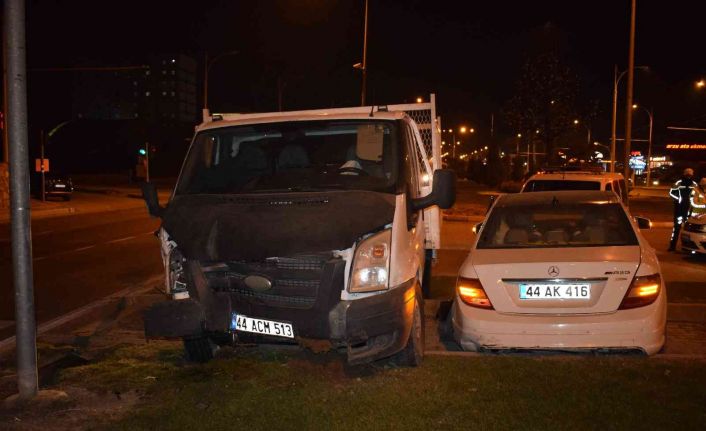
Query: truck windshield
293, 156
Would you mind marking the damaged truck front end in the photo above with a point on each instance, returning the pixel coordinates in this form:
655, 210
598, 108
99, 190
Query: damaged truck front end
306, 233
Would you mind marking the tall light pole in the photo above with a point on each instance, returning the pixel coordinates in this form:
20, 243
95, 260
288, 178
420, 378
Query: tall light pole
364, 65
628, 105
207, 67
650, 112
616, 83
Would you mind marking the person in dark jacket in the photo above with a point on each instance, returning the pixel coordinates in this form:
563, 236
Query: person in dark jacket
681, 193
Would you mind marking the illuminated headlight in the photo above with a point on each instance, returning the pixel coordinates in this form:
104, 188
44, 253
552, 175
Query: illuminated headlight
425, 179
371, 264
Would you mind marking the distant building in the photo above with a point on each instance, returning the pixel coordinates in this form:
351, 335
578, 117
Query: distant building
161, 92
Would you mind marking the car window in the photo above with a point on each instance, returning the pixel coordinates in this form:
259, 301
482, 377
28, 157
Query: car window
556, 185
548, 226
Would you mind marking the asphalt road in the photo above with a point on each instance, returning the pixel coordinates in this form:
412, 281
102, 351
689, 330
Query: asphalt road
81, 258
85, 257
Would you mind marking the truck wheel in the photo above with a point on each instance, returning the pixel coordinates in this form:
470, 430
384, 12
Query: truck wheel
199, 349
413, 353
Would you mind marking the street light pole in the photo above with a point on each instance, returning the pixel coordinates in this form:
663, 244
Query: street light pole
21, 230
628, 107
364, 66
616, 83
650, 113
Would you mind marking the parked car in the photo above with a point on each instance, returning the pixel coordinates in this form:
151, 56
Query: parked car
56, 184
693, 236
561, 270
571, 179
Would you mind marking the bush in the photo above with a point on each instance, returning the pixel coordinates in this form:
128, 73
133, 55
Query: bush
511, 186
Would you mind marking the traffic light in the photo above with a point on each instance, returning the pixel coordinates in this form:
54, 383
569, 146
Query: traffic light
142, 151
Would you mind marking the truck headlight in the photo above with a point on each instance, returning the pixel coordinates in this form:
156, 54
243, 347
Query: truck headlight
177, 276
371, 264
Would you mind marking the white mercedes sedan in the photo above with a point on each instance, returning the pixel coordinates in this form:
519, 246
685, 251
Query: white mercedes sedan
564, 270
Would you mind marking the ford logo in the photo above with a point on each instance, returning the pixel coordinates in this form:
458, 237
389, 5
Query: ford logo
257, 283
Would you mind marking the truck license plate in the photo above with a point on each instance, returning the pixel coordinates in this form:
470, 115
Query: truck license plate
555, 291
261, 326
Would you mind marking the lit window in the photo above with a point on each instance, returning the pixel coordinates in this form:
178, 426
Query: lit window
164, 93
147, 72
147, 93
173, 94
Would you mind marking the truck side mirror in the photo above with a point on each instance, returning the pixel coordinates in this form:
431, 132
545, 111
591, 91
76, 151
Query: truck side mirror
149, 194
443, 191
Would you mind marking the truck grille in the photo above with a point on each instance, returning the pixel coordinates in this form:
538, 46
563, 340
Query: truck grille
295, 281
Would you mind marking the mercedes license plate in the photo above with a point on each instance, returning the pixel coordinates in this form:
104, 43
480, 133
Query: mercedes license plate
555, 291
261, 326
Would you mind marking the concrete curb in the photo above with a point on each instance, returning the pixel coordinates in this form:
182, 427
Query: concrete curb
94, 311
663, 356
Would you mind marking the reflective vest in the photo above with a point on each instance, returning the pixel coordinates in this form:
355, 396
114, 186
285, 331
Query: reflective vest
698, 201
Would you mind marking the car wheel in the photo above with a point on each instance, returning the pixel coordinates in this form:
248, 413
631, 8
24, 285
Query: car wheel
199, 349
413, 353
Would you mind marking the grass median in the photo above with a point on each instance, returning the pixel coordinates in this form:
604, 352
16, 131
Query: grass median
273, 390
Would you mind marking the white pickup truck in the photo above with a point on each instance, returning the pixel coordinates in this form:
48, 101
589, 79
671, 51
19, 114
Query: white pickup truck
304, 227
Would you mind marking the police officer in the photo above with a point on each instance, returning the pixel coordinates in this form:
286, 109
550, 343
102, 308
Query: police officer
698, 198
681, 193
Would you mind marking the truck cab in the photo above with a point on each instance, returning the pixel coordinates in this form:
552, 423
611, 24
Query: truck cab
308, 227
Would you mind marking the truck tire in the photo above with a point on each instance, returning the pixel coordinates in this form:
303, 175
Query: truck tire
199, 349
413, 353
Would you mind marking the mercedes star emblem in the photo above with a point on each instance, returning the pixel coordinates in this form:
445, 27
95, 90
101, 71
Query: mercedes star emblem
553, 271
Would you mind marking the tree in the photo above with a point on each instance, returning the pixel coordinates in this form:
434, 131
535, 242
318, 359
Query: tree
543, 107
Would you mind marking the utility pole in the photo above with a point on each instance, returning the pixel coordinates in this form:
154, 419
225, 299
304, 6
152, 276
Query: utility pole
41, 164
628, 106
147, 162
613, 123
16, 93
364, 66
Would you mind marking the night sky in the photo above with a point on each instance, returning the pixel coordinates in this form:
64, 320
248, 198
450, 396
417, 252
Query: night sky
468, 53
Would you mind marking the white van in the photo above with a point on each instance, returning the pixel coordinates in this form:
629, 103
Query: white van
304, 227
566, 179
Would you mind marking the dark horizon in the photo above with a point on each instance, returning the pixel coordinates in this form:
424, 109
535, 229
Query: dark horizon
468, 54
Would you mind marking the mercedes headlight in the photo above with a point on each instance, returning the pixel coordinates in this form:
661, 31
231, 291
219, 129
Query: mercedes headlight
371, 264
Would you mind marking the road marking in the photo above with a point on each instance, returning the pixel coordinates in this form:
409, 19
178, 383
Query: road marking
112, 241
82, 248
121, 239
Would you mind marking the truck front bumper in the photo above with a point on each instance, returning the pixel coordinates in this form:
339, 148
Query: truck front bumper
369, 328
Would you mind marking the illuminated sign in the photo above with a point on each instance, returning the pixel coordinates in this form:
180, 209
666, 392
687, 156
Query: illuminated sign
686, 146
637, 162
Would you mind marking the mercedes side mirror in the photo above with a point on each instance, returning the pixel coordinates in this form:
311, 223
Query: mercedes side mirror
443, 191
643, 223
149, 194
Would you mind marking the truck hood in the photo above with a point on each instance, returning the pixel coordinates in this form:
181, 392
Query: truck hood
254, 227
